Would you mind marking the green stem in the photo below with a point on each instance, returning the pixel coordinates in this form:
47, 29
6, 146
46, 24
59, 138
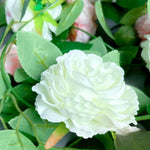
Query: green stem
75, 142
29, 121
17, 132
6, 32
94, 37
142, 118
91, 35
3, 123
4, 74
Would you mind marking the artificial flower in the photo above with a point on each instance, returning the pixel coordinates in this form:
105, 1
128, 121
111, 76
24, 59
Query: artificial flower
85, 21
11, 60
146, 51
43, 24
142, 26
87, 94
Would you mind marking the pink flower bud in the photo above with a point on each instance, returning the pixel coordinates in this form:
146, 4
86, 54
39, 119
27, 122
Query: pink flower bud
85, 21
142, 26
11, 60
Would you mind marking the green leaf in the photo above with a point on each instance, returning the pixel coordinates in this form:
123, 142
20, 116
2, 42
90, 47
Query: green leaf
129, 52
3, 86
148, 7
148, 108
56, 136
2, 13
69, 15
112, 56
131, 3
66, 46
20, 75
133, 141
107, 140
98, 45
48, 18
10, 140
35, 53
126, 35
112, 12
43, 128
38, 22
23, 90
131, 16
143, 100
101, 19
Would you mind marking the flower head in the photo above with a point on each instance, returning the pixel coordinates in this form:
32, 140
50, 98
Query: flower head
87, 94
11, 61
142, 26
43, 24
85, 21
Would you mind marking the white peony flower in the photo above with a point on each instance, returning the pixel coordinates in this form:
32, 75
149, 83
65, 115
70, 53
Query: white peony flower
146, 51
43, 24
87, 94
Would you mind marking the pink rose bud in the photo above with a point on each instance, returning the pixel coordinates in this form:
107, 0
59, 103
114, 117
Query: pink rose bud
142, 26
11, 60
85, 21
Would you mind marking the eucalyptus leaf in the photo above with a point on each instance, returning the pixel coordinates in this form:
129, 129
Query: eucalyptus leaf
131, 3
43, 128
112, 56
98, 45
11, 140
143, 100
131, 16
101, 19
35, 53
69, 15
20, 75
133, 141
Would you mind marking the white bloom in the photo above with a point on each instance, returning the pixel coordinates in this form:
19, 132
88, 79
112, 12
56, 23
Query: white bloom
146, 51
89, 95
14, 9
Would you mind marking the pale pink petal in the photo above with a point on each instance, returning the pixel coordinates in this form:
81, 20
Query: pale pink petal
85, 21
11, 60
142, 26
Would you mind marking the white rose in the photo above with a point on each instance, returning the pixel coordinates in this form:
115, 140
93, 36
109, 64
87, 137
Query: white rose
89, 95
146, 51
14, 9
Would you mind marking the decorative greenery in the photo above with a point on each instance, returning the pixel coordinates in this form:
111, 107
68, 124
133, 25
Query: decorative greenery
120, 44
